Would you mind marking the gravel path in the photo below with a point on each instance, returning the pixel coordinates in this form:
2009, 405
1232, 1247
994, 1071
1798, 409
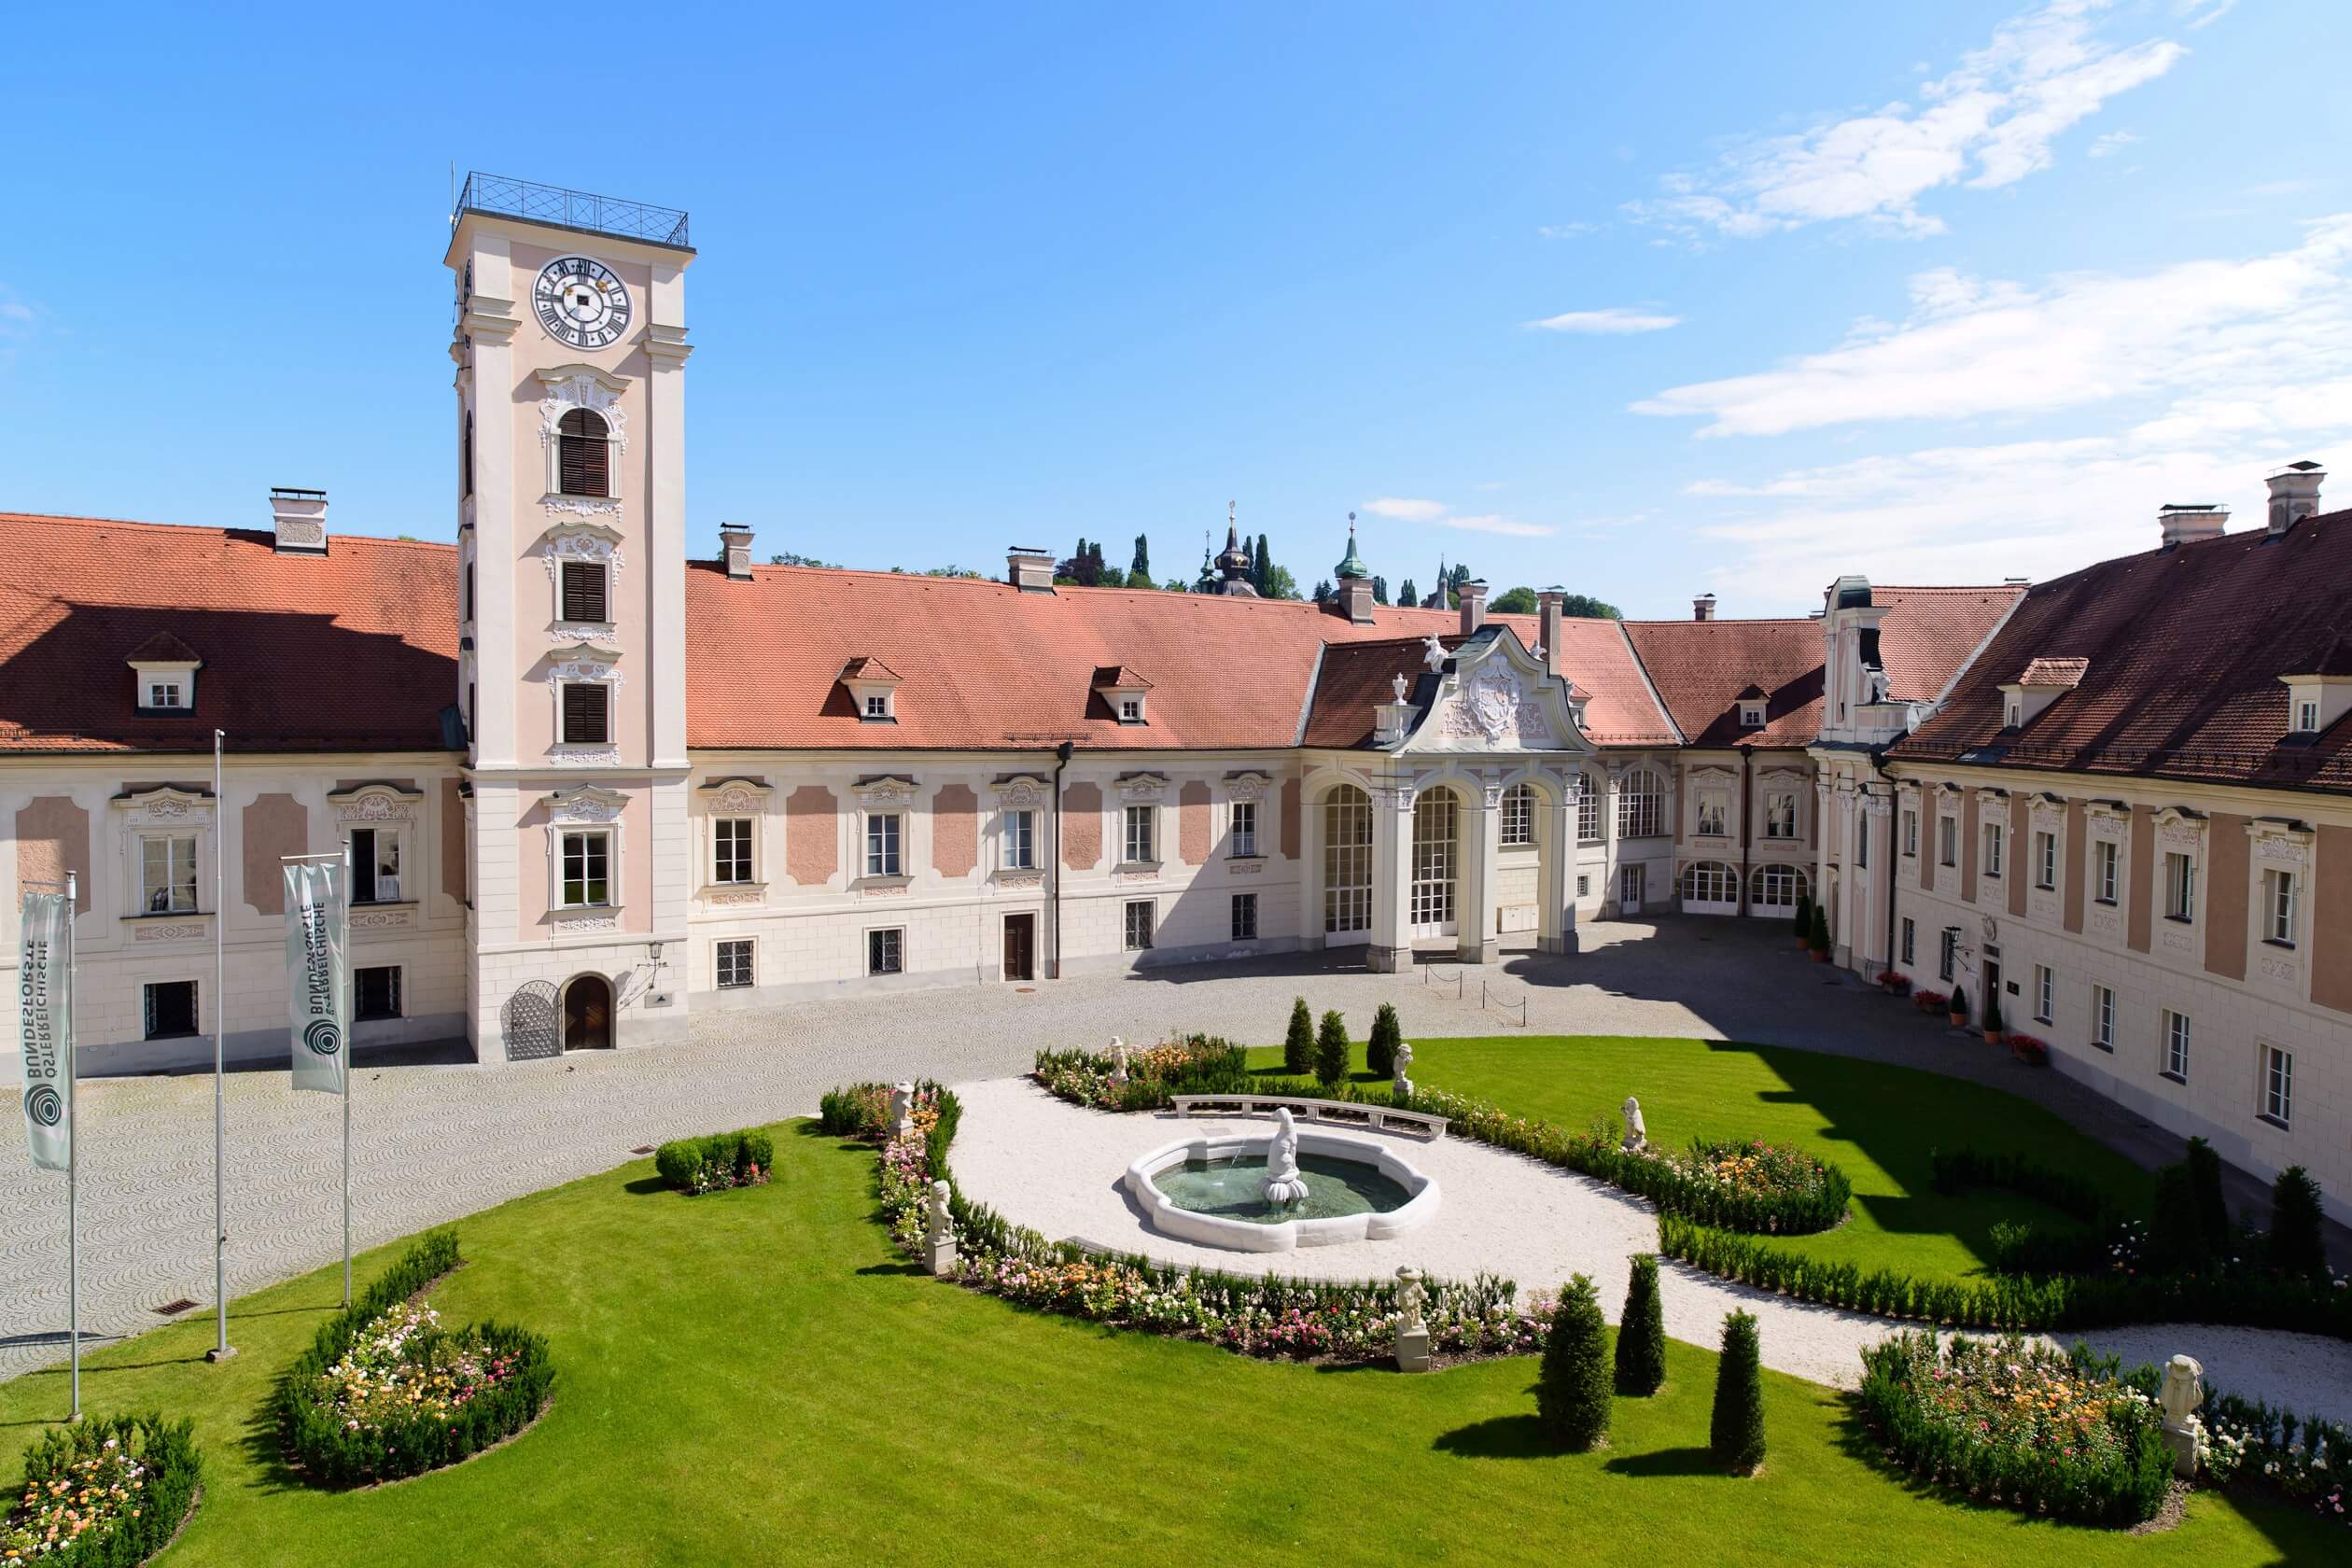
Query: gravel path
1058, 1169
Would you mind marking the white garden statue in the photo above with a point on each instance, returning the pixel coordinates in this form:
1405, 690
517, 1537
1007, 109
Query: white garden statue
1283, 1185
1399, 1085
1412, 1329
938, 1232
1636, 1134
1119, 1050
2182, 1392
901, 1110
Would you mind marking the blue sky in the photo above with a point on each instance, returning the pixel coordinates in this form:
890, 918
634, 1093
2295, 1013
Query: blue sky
1647, 301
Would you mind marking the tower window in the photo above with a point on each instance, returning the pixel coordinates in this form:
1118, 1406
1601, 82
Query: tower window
587, 714
584, 465
464, 457
584, 596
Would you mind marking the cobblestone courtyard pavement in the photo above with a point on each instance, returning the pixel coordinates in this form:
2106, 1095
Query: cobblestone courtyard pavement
433, 1143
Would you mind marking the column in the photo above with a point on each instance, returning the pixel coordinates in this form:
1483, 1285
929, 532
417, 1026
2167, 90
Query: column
1875, 887
1556, 880
1610, 884
1391, 877
1477, 923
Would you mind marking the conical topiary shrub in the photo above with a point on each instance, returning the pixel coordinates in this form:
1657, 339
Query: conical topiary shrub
1819, 940
1641, 1342
1299, 1046
1379, 1050
1735, 1436
1572, 1391
1991, 1014
1802, 929
2213, 1210
1331, 1050
2175, 1231
2294, 1243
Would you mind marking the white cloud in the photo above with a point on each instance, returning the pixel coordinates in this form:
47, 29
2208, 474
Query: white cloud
2203, 13
1613, 321
1988, 122
2112, 142
1405, 509
2197, 330
1566, 230
1494, 523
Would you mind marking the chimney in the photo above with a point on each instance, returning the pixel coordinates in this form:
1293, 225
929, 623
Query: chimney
2181, 523
735, 549
1474, 597
1702, 607
298, 519
2294, 495
1548, 609
1353, 599
1030, 568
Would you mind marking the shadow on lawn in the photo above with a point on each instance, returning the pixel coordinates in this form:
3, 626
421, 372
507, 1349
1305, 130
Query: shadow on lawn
1690, 1460
1518, 1436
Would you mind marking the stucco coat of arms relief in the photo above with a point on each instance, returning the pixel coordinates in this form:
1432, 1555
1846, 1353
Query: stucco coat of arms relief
1491, 705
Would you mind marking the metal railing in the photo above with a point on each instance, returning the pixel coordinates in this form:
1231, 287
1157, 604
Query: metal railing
571, 209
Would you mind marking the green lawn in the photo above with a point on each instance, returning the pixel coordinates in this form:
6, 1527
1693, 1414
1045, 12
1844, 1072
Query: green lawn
1878, 1123
754, 1378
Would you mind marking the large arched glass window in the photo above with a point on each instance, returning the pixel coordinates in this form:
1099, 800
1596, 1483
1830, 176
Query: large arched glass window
1710, 882
1519, 817
1434, 840
1587, 810
584, 456
1347, 860
1642, 806
1775, 886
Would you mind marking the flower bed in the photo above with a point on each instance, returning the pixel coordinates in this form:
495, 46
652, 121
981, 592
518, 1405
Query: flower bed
718, 1161
2017, 1423
110, 1491
2032, 1052
1275, 1318
1188, 1064
385, 1391
2251, 1445
1931, 1001
1896, 982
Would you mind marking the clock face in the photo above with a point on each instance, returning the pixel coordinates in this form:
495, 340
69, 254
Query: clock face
581, 303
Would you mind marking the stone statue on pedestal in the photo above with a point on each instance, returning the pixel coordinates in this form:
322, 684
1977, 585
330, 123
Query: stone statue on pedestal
1399, 1085
1412, 1331
1283, 1185
901, 1110
2182, 1392
1636, 1134
939, 1236
1119, 1051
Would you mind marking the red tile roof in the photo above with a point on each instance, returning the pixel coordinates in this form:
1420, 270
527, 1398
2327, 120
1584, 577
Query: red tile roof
1929, 633
1702, 669
2185, 647
1357, 677
356, 649
2053, 672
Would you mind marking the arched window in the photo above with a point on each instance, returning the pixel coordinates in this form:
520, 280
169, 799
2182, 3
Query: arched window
1642, 806
1776, 888
1587, 810
1434, 840
1710, 882
584, 459
1347, 860
1519, 817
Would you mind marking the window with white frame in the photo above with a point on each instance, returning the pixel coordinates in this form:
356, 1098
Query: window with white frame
883, 828
1947, 840
1347, 860
2278, 1085
1995, 841
1519, 817
1018, 846
584, 587
1435, 843
164, 695
586, 878
1709, 882
877, 705
2045, 993
1587, 810
2279, 907
1714, 813
1583, 887
1138, 921
731, 849
1779, 814
1910, 833
583, 465
2177, 1045
885, 950
1948, 955
2306, 715
167, 874
1911, 941
1245, 916
1776, 887
1242, 835
2103, 1017
375, 993
1641, 806
2108, 862
585, 713
2180, 887
734, 963
375, 865
1131, 710
2045, 860
1138, 845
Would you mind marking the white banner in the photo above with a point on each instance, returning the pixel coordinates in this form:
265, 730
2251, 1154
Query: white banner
317, 978
45, 991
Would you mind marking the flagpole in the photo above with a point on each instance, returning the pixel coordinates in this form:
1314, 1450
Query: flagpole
220, 1350
73, 1148
345, 1024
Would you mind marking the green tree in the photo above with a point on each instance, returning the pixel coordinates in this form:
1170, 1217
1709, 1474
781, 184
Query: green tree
2175, 1231
1323, 591
1641, 1342
1735, 1435
2294, 1243
1140, 573
1379, 1049
1992, 1024
1515, 601
1588, 608
788, 558
1299, 1046
1572, 1389
2213, 1210
1380, 589
1804, 917
1454, 580
1818, 938
1262, 569
1331, 1049
1406, 595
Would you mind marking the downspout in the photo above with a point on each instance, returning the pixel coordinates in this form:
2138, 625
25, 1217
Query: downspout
1061, 761
1747, 825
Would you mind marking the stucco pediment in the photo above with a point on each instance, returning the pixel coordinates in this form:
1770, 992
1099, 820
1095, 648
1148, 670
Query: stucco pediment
165, 804
376, 801
1495, 697
585, 802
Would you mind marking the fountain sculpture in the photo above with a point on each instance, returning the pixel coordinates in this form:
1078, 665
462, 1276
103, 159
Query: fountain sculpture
1283, 1185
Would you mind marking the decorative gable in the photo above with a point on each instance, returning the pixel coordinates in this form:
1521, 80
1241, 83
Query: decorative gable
1122, 691
873, 688
1495, 695
164, 674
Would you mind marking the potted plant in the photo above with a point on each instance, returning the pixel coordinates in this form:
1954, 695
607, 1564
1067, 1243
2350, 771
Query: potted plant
1803, 926
1992, 1017
1958, 1004
1819, 940
1928, 1002
1896, 982
2030, 1051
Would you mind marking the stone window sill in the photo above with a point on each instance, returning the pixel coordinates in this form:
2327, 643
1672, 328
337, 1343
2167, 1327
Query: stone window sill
2267, 1118
2102, 1045
2173, 1077
2182, 920
383, 904
884, 879
1252, 855
2274, 942
2105, 903
583, 909
1020, 870
167, 915
1136, 865
735, 887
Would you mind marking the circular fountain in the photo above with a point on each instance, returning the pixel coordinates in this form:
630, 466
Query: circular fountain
1300, 1187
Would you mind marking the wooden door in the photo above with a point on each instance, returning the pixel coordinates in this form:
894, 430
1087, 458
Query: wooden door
1020, 944
588, 1014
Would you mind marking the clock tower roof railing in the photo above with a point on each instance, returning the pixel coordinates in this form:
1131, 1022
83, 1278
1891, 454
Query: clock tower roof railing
575, 210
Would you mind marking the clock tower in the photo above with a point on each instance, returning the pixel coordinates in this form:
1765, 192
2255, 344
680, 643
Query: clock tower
570, 351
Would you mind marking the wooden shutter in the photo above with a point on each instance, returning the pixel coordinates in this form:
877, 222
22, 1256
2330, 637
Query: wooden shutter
584, 714
585, 592
585, 466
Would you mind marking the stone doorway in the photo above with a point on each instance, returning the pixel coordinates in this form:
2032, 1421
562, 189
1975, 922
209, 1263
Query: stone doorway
1020, 946
588, 1014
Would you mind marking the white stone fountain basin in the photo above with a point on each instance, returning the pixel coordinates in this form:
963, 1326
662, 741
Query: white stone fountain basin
1244, 1236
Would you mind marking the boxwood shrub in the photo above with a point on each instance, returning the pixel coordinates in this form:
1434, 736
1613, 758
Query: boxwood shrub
154, 1464
717, 1160
330, 1449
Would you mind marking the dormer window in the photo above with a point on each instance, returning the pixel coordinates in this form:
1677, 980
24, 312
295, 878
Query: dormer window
1123, 692
166, 694
873, 690
163, 671
877, 705
1131, 710
2307, 716
1751, 716
2041, 682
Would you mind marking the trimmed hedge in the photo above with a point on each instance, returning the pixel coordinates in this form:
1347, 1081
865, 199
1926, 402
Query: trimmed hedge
1572, 1390
330, 1453
172, 1467
1735, 1424
1641, 1342
716, 1160
1188, 1064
